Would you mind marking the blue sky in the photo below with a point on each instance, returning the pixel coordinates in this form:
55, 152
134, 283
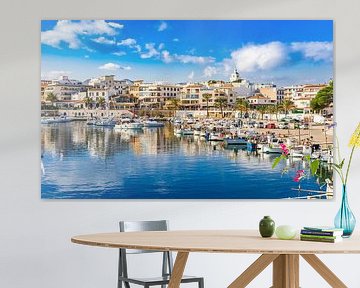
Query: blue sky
283, 51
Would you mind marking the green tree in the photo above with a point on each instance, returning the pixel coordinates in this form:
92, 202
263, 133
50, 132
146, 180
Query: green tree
51, 97
175, 104
262, 109
207, 97
242, 105
221, 103
323, 98
101, 102
287, 105
87, 101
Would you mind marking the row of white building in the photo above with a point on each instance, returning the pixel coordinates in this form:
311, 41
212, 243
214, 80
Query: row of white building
127, 94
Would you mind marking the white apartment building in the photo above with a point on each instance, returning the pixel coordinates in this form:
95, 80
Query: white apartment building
155, 95
63, 88
259, 99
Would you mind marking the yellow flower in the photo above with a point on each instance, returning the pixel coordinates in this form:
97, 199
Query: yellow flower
355, 138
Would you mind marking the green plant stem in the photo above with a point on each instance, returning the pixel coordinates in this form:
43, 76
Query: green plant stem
350, 159
348, 166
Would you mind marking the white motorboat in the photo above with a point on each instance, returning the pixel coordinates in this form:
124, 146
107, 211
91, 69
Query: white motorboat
216, 136
106, 122
129, 125
54, 120
236, 141
184, 132
273, 146
197, 132
153, 124
300, 151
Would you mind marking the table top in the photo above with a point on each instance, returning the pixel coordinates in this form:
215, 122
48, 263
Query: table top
216, 241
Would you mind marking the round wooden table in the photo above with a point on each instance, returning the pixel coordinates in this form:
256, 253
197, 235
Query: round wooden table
284, 254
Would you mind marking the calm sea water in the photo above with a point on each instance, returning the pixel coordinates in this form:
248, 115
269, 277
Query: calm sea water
81, 161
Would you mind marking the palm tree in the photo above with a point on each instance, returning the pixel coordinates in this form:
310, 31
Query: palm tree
276, 109
220, 103
207, 97
287, 105
262, 109
87, 101
175, 104
51, 97
242, 105
101, 102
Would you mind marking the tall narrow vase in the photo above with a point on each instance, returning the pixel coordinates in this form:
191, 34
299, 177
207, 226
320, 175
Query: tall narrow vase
345, 219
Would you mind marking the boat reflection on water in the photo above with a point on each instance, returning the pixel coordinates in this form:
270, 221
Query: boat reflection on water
85, 161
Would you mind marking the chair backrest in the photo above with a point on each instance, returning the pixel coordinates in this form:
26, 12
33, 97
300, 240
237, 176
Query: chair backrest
138, 226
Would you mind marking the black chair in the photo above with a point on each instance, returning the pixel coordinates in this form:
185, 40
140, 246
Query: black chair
167, 265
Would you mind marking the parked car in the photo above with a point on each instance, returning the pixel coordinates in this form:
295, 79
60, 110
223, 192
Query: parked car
259, 125
283, 125
250, 124
304, 126
270, 126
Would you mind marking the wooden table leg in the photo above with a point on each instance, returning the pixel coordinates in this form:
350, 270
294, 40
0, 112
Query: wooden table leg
178, 269
253, 270
286, 271
324, 271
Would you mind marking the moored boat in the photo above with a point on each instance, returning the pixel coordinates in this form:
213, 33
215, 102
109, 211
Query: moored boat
236, 141
153, 124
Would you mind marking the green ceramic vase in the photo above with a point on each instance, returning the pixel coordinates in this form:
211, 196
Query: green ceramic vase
267, 227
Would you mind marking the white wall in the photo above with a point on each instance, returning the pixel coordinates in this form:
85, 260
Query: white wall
35, 248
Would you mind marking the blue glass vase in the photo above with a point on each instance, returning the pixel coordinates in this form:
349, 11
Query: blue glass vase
345, 219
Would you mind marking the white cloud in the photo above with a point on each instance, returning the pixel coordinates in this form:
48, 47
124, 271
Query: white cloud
151, 51
130, 42
210, 71
86, 56
69, 32
191, 75
163, 26
119, 53
194, 59
176, 40
161, 46
127, 42
115, 25
113, 67
103, 40
317, 51
259, 57
54, 74
166, 57
110, 66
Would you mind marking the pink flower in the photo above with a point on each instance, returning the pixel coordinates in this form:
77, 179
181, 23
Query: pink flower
284, 149
299, 175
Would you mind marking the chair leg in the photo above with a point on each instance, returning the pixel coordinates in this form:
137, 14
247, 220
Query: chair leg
201, 283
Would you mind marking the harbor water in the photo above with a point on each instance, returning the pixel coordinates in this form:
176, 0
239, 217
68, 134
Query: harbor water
88, 162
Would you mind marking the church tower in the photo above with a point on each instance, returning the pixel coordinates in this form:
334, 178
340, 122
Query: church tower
235, 76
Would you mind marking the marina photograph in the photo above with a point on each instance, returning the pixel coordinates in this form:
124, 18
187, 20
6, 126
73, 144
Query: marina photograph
187, 109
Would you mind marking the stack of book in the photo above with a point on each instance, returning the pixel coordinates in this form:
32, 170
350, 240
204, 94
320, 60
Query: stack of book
321, 234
